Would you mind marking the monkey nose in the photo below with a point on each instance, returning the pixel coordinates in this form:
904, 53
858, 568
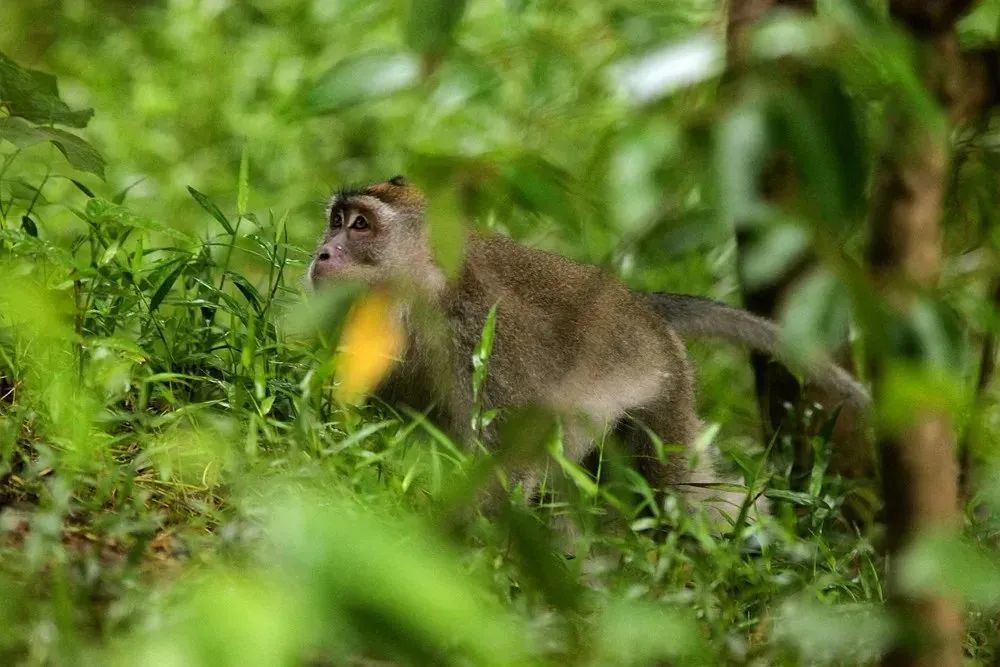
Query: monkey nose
324, 255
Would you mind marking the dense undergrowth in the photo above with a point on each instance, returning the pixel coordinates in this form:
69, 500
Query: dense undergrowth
179, 483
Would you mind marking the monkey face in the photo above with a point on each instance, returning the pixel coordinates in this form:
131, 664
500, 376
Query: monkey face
374, 234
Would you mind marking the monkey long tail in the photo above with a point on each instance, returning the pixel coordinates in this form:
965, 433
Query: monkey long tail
694, 316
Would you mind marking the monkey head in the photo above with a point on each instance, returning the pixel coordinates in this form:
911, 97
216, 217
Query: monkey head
375, 234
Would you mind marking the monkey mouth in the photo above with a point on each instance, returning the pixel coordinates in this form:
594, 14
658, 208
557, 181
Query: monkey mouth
328, 270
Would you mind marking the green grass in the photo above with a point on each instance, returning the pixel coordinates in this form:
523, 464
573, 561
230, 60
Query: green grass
180, 488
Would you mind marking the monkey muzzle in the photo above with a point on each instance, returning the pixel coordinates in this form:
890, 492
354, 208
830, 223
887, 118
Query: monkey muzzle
330, 262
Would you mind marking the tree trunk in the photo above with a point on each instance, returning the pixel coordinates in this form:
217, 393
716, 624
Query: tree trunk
918, 462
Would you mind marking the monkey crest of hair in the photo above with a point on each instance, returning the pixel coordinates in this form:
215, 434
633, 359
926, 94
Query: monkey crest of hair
569, 339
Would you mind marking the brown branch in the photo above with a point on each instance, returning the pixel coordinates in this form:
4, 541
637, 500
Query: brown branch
919, 470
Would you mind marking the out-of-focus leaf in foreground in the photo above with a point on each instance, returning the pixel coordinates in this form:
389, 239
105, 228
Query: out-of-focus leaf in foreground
77, 152
34, 95
642, 633
946, 564
359, 79
657, 74
370, 342
431, 24
336, 583
847, 633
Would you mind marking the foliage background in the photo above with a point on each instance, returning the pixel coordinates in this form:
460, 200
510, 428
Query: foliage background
178, 486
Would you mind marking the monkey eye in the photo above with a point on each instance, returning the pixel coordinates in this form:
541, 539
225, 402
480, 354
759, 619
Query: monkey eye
359, 223
338, 220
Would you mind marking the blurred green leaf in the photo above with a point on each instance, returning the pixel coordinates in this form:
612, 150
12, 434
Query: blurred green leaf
909, 390
544, 568
842, 633
447, 233
541, 186
815, 318
359, 79
739, 153
947, 564
770, 256
657, 74
818, 125
399, 589
637, 632
431, 24
77, 152
34, 96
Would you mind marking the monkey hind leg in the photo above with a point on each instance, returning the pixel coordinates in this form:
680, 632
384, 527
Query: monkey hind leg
661, 437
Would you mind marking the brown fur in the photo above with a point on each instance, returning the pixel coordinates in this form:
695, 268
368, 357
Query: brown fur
569, 339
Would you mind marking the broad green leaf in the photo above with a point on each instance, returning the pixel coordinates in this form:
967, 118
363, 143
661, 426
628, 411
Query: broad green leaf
77, 152
839, 634
34, 96
540, 186
360, 79
909, 390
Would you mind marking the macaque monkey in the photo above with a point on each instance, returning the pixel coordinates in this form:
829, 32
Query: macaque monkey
569, 338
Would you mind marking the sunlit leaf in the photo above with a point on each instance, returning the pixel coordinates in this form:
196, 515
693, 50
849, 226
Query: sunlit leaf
740, 145
661, 72
369, 344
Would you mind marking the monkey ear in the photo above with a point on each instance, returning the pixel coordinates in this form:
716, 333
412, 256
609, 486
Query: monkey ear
399, 180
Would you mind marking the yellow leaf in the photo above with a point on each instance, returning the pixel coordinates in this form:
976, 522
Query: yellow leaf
371, 341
